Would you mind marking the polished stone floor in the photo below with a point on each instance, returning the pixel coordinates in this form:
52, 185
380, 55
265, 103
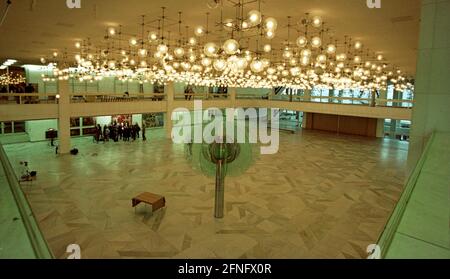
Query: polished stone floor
322, 196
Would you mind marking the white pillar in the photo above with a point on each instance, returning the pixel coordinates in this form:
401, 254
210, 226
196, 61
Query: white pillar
64, 117
169, 90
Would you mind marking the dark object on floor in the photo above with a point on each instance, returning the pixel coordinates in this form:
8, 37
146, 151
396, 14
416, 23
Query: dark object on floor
74, 151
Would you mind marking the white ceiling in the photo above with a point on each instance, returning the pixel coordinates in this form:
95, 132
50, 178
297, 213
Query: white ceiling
34, 28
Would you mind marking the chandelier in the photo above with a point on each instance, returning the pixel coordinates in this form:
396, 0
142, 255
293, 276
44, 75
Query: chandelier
248, 49
11, 79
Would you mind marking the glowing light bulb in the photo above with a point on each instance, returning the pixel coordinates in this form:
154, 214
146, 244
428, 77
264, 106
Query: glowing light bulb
162, 48
192, 41
305, 53
231, 47
210, 49
152, 36
358, 45
228, 24
179, 52
301, 41
317, 21
206, 62
316, 42
199, 31
357, 59
256, 66
220, 65
322, 58
267, 48
270, 34
142, 52
133, 42
331, 49
254, 17
111, 31
271, 23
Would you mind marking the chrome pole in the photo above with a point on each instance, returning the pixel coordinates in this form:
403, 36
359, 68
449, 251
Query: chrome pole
220, 191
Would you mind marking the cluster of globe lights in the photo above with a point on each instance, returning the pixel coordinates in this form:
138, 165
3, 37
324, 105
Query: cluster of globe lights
306, 63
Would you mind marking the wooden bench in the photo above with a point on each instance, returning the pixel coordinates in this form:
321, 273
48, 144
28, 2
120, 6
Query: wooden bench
156, 201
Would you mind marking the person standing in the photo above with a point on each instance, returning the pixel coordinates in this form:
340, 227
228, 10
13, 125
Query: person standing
144, 138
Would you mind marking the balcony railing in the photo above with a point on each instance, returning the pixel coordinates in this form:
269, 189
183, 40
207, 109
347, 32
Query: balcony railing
39, 98
108, 98
28, 98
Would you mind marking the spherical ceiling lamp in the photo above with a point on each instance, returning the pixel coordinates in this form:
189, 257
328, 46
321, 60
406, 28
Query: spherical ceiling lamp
206, 62
192, 41
152, 36
228, 24
192, 58
316, 21
321, 58
132, 62
111, 31
380, 57
304, 60
55, 54
271, 23
358, 45
231, 46
43, 61
133, 41
302, 41
245, 25
143, 64
293, 61
270, 34
256, 66
220, 65
295, 71
341, 57
331, 49
287, 54
306, 53
162, 48
142, 52
199, 31
179, 52
271, 71
213, 4
357, 59
158, 55
77, 45
316, 42
241, 63
254, 17
112, 64
267, 48
210, 49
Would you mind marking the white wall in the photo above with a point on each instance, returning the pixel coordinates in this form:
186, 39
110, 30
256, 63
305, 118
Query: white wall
36, 129
103, 120
137, 118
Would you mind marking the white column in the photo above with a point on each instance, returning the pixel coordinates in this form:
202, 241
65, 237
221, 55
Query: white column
64, 117
169, 90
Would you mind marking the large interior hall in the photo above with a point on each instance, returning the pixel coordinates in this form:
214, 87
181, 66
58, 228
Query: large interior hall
224, 129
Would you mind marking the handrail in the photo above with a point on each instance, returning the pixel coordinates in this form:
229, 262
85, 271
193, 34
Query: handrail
37, 240
391, 227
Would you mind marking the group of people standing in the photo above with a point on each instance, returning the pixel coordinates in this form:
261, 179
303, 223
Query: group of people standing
119, 131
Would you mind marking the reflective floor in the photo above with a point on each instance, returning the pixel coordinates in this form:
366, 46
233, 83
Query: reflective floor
322, 196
